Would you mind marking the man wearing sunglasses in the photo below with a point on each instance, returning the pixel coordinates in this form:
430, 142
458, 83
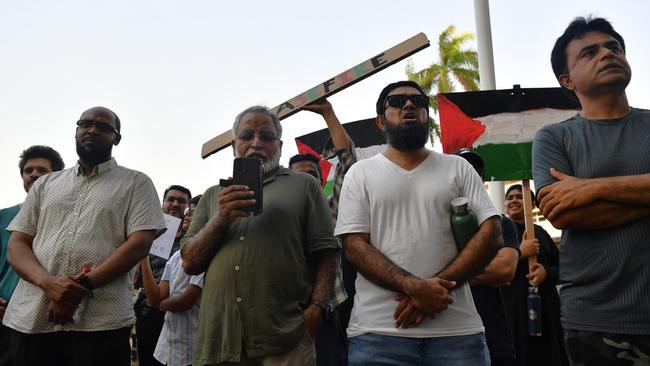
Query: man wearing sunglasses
77, 236
149, 321
413, 304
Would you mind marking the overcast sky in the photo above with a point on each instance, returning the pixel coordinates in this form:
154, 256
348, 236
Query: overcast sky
177, 72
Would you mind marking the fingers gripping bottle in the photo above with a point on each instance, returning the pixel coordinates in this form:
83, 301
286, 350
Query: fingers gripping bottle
463, 222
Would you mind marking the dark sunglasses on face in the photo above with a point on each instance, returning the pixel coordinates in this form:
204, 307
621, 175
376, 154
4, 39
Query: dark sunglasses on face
99, 126
399, 100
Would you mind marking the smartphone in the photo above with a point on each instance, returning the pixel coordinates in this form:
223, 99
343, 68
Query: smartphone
248, 172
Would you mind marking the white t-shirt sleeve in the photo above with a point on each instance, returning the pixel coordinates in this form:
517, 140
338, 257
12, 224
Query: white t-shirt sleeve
169, 268
197, 280
354, 204
472, 187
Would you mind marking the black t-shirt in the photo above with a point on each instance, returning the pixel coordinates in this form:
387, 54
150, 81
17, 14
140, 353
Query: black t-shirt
157, 268
490, 306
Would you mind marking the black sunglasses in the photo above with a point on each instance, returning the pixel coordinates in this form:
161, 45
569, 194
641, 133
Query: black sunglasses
100, 126
399, 100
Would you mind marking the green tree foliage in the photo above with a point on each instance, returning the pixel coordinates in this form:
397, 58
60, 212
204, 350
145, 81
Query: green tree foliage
457, 65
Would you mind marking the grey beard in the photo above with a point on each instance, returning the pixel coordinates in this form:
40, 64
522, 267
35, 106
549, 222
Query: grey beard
270, 164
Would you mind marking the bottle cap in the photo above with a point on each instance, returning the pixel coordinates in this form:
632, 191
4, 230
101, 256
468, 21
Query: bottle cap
459, 204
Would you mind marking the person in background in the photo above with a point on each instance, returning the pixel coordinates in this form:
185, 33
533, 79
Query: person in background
486, 286
546, 349
178, 295
187, 219
331, 341
35, 162
150, 320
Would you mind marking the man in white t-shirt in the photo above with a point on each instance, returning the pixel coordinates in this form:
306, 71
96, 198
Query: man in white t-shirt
413, 304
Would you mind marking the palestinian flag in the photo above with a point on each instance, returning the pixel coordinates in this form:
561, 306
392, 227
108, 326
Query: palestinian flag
368, 141
500, 125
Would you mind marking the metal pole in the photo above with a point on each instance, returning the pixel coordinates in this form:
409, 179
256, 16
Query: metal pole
486, 70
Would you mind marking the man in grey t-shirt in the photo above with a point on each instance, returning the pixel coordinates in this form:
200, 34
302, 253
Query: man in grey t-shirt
593, 178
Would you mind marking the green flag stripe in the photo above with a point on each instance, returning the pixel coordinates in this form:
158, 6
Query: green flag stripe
507, 161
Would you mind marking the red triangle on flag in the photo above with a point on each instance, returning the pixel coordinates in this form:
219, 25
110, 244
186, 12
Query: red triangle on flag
325, 166
456, 128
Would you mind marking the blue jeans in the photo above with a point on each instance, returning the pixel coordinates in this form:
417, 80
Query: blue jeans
373, 349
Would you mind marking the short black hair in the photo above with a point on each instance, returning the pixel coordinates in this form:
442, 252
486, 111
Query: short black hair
306, 157
381, 101
195, 200
178, 188
521, 189
41, 151
577, 29
474, 159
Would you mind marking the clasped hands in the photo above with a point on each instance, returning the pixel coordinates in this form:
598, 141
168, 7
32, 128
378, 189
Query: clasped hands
424, 297
65, 294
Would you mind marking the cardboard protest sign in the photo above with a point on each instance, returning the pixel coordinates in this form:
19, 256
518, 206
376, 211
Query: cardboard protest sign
332, 85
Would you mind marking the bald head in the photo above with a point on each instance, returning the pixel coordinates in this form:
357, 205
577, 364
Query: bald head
104, 110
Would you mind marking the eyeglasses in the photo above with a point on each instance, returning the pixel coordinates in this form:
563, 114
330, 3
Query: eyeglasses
399, 100
264, 136
179, 200
99, 126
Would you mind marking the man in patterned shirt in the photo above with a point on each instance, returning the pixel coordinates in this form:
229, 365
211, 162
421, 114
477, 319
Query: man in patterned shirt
331, 342
78, 234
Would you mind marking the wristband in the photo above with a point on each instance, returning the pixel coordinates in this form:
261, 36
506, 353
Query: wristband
85, 282
325, 307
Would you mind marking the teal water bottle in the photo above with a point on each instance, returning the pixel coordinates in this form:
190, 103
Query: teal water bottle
463, 222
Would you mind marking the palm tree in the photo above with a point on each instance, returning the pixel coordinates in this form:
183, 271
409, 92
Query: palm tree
455, 65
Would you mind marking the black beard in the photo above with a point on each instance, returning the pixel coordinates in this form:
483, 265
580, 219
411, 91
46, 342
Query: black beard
407, 137
93, 158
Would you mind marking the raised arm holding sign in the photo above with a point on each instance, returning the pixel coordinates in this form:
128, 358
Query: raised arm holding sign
332, 85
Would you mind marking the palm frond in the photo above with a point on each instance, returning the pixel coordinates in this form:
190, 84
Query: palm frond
455, 63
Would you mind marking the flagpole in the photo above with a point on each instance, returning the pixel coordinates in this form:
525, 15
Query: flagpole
486, 72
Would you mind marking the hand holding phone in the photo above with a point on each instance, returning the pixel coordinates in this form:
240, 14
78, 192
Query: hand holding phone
232, 201
247, 172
